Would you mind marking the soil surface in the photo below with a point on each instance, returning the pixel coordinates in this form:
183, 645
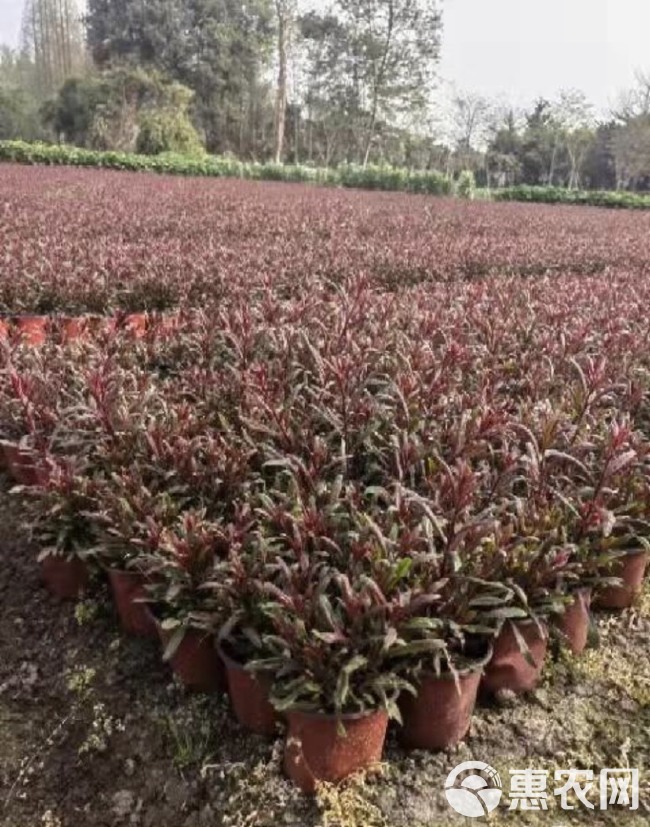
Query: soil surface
95, 732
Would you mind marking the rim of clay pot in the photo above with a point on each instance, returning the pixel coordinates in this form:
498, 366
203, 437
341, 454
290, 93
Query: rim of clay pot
108, 568
476, 665
186, 627
29, 317
541, 624
232, 663
632, 552
329, 716
68, 556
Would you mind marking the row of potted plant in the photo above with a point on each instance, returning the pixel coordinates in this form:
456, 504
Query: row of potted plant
37, 329
335, 643
78, 241
335, 622
347, 507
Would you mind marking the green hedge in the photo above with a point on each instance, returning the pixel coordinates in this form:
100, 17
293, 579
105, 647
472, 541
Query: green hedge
559, 195
375, 178
388, 179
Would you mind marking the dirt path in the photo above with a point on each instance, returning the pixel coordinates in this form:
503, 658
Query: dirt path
95, 733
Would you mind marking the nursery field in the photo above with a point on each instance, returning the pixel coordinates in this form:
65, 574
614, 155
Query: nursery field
310, 496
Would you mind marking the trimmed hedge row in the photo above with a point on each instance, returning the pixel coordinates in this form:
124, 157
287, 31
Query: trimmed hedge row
389, 179
586, 198
372, 177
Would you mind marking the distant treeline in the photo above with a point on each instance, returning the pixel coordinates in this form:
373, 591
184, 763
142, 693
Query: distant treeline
350, 85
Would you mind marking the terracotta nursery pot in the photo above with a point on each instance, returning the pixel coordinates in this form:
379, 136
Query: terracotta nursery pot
508, 667
135, 324
195, 661
631, 569
72, 328
8, 455
128, 590
441, 713
23, 467
65, 579
32, 330
249, 695
164, 323
96, 325
574, 623
316, 750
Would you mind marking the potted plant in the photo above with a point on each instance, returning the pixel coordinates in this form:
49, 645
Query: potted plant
66, 329
625, 541
130, 519
28, 417
240, 588
482, 538
30, 329
606, 508
328, 651
59, 524
532, 568
443, 615
186, 613
445, 640
626, 552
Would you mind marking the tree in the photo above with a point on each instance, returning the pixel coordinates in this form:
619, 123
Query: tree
379, 59
331, 98
503, 156
20, 99
599, 165
218, 48
285, 11
471, 116
631, 147
635, 102
574, 117
52, 35
631, 139
396, 44
538, 144
125, 109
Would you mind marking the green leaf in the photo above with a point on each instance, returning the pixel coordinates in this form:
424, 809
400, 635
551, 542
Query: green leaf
173, 644
523, 646
507, 612
343, 682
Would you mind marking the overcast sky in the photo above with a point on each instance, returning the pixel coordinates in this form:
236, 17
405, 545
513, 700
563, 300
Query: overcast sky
10, 11
521, 49
526, 48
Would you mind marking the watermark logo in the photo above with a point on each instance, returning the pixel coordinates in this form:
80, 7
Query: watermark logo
473, 789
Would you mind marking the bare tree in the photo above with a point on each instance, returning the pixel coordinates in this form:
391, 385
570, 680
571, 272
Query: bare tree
631, 142
575, 120
634, 102
472, 115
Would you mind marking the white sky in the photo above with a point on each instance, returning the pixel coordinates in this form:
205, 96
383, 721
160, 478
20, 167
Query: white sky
520, 49
10, 12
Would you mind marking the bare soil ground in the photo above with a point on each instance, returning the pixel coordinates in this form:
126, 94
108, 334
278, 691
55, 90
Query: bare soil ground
94, 732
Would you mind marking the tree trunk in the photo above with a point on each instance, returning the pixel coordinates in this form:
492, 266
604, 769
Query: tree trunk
371, 134
281, 97
551, 172
378, 83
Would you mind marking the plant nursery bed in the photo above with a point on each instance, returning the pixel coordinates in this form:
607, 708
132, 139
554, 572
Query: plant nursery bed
341, 453
95, 732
